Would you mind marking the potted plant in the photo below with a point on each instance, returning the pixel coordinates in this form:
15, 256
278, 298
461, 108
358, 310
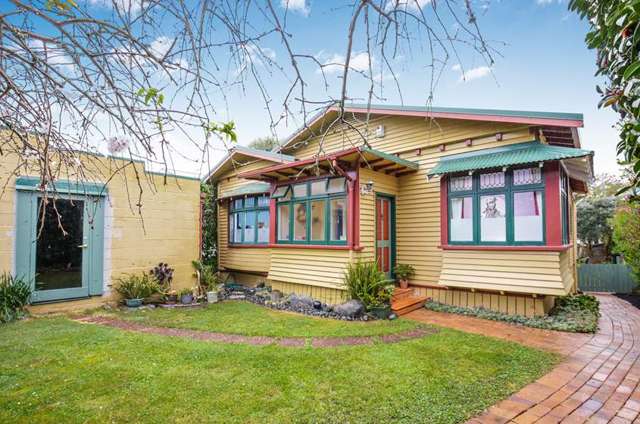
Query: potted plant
135, 288
186, 296
208, 281
403, 273
366, 283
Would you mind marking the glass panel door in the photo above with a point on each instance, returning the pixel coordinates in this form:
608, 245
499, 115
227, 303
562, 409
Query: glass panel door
385, 248
59, 245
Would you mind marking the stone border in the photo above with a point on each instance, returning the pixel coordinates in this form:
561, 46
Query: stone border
314, 342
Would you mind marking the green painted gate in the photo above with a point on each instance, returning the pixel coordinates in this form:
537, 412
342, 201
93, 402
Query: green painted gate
613, 278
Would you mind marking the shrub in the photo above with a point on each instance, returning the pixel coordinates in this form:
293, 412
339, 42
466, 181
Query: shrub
626, 235
366, 283
207, 276
14, 296
404, 271
573, 313
135, 286
163, 274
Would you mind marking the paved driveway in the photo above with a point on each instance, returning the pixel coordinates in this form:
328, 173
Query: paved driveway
598, 381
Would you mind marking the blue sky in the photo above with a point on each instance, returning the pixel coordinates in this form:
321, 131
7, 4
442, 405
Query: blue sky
545, 66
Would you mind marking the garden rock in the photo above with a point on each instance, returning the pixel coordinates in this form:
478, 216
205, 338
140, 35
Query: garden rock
297, 301
351, 308
276, 296
317, 305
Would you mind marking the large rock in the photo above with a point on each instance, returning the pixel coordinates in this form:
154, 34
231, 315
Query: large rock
300, 301
353, 308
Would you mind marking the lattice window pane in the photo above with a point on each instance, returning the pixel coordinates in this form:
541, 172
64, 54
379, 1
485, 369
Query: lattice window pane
492, 180
527, 176
461, 183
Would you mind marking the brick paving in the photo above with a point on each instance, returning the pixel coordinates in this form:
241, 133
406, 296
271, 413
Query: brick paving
597, 383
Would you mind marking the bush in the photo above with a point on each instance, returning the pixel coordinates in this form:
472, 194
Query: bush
626, 235
573, 313
14, 296
366, 283
137, 286
207, 276
163, 274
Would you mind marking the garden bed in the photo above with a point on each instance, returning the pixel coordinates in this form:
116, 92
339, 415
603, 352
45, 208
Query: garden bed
574, 314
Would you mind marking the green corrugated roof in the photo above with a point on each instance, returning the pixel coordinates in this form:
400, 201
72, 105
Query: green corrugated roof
514, 154
392, 158
253, 188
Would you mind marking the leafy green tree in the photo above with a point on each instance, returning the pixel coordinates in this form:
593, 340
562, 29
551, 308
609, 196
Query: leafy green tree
594, 216
209, 225
626, 235
264, 143
615, 34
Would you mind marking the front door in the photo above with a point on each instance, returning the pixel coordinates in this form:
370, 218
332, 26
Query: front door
59, 245
385, 233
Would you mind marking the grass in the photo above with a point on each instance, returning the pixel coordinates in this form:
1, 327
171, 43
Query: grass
57, 370
253, 320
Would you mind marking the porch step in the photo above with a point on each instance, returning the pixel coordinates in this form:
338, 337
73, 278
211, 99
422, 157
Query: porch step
408, 304
399, 294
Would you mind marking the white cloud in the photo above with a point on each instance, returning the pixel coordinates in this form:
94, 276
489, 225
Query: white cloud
299, 6
359, 62
545, 2
406, 4
160, 46
123, 5
471, 74
54, 55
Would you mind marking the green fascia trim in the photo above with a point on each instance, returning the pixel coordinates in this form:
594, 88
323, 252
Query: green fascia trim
471, 111
515, 154
63, 186
253, 188
393, 158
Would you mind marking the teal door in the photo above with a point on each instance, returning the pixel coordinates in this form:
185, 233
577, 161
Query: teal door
59, 245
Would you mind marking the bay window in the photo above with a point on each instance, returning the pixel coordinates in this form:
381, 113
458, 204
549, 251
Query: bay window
312, 212
497, 207
249, 220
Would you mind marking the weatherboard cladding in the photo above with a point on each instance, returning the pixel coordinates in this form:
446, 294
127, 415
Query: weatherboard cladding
517, 154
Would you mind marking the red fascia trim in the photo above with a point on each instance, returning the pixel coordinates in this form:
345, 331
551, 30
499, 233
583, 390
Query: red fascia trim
553, 219
247, 246
561, 248
315, 246
572, 123
444, 210
331, 156
355, 241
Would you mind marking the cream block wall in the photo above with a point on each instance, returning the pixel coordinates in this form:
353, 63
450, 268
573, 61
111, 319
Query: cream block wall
167, 230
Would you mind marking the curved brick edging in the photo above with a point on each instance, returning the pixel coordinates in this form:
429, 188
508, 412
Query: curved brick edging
315, 342
598, 381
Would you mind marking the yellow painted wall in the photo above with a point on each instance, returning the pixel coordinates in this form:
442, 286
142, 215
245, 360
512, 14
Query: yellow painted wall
167, 230
418, 217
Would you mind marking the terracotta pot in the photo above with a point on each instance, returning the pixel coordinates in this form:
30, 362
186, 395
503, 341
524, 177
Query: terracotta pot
404, 284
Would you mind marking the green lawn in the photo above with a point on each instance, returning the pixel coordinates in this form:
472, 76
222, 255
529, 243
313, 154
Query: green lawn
56, 370
246, 318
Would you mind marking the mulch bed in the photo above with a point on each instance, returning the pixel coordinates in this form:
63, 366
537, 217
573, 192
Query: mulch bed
315, 342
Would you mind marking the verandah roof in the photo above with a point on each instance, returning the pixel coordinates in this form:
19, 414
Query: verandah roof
515, 154
252, 188
379, 161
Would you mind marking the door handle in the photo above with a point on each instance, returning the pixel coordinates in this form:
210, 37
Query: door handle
83, 246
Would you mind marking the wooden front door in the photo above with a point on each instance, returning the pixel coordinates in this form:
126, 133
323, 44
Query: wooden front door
385, 233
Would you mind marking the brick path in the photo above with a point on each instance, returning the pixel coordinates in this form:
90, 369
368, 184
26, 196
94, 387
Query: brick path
597, 383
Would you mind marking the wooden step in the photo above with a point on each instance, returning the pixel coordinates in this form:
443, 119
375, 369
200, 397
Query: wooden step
399, 294
406, 305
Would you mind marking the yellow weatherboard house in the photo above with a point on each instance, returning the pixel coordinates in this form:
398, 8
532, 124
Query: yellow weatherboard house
479, 202
106, 237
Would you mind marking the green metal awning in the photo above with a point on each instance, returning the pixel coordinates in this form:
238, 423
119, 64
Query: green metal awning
252, 188
515, 154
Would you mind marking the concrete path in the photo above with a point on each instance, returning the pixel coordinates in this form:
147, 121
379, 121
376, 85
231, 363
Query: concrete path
597, 383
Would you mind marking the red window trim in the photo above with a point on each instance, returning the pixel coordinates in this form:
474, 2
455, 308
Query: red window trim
561, 248
252, 246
